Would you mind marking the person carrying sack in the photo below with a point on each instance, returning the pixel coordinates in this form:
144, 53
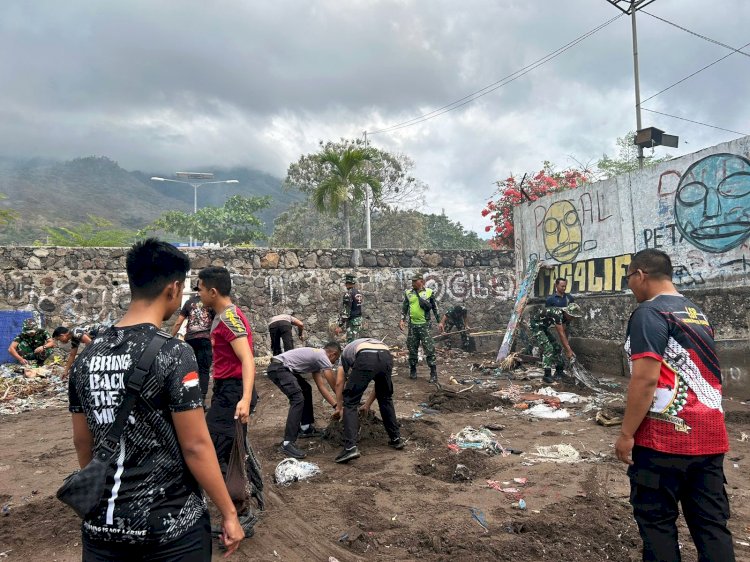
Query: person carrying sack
152, 507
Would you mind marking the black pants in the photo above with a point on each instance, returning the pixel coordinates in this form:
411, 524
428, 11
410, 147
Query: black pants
193, 546
299, 393
204, 356
280, 332
658, 482
369, 365
220, 417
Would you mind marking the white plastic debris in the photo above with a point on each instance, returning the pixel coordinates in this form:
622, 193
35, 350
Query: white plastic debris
566, 397
558, 453
483, 439
547, 412
292, 470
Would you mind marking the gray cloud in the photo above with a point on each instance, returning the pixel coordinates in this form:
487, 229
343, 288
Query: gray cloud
170, 84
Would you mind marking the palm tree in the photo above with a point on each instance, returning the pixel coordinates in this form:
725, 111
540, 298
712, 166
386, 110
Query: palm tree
347, 177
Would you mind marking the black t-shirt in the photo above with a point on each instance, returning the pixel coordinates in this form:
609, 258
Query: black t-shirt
150, 496
76, 334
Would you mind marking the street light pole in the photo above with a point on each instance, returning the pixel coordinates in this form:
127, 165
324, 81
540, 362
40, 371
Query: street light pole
195, 186
367, 208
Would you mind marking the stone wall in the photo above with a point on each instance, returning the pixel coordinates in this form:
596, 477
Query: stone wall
72, 286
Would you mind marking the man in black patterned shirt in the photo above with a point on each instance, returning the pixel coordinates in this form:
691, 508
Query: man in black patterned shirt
152, 502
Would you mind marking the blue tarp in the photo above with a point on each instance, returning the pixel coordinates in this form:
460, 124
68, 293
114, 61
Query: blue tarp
10, 326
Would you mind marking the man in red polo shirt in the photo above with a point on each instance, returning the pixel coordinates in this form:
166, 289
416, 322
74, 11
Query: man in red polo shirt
234, 364
674, 423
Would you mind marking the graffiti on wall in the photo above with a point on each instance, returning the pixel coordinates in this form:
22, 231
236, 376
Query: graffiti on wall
459, 285
597, 275
712, 203
565, 228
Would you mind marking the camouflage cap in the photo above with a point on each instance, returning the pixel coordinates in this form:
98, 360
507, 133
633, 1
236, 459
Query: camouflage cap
350, 278
417, 277
574, 310
29, 325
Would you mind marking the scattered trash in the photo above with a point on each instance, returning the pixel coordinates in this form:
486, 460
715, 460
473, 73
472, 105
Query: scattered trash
744, 437
743, 543
564, 397
521, 504
558, 453
493, 426
484, 439
547, 412
462, 473
6, 510
606, 419
45, 388
582, 374
291, 470
478, 516
333, 559
521, 481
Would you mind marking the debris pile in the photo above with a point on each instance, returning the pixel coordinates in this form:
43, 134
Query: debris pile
22, 390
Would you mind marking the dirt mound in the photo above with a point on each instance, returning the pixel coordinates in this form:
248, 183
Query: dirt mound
443, 466
469, 401
39, 522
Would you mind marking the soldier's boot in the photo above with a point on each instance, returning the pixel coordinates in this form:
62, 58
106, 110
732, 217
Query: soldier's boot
559, 373
433, 374
412, 371
547, 375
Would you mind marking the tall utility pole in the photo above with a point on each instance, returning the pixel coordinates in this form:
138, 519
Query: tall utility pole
367, 207
630, 7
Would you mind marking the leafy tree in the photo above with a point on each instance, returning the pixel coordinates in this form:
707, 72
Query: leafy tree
510, 193
96, 232
344, 182
7, 216
445, 234
398, 188
626, 160
233, 223
303, 227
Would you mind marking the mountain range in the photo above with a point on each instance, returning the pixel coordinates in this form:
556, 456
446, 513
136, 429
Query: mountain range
50, 193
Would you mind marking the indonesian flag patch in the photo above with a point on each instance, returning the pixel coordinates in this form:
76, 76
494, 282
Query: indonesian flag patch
190, 380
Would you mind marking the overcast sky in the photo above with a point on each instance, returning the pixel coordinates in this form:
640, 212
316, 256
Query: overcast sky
186, 83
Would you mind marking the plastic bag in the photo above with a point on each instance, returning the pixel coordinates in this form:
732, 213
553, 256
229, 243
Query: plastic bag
236, 480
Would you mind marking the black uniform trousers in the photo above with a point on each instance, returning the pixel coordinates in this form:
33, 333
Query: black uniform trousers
220, 417
299, 393
658, 482
369, 364
204, 356
280, 332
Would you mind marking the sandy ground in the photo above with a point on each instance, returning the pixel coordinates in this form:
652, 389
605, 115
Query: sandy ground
394, 505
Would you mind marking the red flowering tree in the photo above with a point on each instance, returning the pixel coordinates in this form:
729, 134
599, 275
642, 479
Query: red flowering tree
510, 192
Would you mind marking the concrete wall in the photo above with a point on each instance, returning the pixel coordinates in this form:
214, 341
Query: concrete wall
73, 286
696, 208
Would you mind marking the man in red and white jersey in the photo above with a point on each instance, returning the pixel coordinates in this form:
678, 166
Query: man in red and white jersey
234, 364
673, 434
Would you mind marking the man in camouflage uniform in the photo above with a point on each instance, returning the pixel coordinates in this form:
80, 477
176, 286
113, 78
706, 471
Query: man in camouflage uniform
351, 309
457, 316
547, 342
418, 302
32, 344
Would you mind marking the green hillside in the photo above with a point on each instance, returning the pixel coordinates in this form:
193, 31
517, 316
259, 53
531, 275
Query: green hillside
50, 193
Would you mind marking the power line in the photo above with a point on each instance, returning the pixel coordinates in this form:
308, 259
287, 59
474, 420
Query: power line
696, 122
498, 84
693, 74
705, 38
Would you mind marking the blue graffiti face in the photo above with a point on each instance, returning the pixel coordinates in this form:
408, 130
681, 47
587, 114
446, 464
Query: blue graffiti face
712, 203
